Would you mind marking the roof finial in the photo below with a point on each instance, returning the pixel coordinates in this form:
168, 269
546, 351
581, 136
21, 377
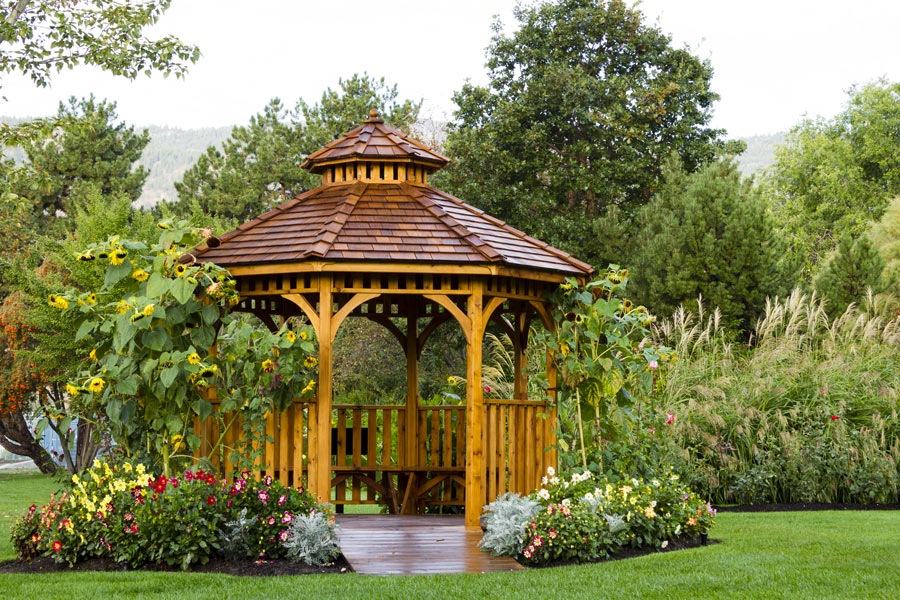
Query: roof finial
373, 117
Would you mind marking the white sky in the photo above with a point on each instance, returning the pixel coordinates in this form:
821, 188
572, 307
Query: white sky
774, 60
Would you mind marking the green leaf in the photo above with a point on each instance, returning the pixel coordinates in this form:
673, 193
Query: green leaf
203, 408
85, 328
124, 333
182, 290
128, 386
168, 375
203, 336
114, 409
115, 274
174, 424
210, 313
158, 285
128, 410
155, 339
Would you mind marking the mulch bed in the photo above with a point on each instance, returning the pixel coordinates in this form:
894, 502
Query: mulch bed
808, 506
623, 553
45, 564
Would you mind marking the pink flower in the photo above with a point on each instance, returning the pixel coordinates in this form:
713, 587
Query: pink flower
670, 418
487, 389
641, 345
552, 534
538, 540
287, 518
245, 475
268, 480
270, 521
263, 496
283, 536
823, 392
282, 499
654, 364
834, 417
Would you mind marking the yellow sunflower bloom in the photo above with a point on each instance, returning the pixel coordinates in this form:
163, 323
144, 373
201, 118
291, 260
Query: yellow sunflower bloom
71, 390
209, 371
85, 257
91, 299
302, 335
290, 336
148, 310
193, 358
268, 366
162, 226
118, 257
140, 275
93, 355
96, 385
122, 307
180, 270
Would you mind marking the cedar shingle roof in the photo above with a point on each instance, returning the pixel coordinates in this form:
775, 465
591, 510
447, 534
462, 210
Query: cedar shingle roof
384, 222
374, 140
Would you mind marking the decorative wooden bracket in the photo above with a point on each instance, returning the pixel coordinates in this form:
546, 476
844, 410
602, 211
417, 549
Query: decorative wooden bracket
454, 310
308, 309
346, 309
433, 324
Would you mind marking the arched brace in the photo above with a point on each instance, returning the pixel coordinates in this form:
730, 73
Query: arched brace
435, 322
505, 325
489, 308
541, 310
346, 309
267, 320
454, 310
389, 325
308, 309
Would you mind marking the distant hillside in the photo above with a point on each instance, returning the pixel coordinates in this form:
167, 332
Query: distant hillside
760, 152
172, 151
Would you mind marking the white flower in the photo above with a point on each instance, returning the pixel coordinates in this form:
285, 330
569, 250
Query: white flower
543, 494
554, 480
565, 484
678, 530
566, 502
589, 497
656, 482
664, 544
551, 471
544, 480
635, 482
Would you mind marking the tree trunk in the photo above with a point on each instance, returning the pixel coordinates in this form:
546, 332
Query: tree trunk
16, 437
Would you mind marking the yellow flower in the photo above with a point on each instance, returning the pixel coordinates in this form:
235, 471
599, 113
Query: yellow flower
310, 361
140, 275
177, 443
118, 257
85, 257
276, 352
122, 307
58, 301
193, 358
148, 310
268, 366
162, 226
627, 305
302, 335
91, 299
71, 389
234, 300
96, 385
180, 270
290, 336
209, 371
93, 355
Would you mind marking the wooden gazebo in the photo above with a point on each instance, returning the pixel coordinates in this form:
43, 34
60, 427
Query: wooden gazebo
376, 241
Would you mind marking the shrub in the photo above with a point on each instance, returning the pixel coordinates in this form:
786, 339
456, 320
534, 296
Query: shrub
567, 532
126, 514
505, 520
312, 539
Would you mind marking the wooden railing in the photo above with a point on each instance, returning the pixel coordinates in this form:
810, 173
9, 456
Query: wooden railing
369, 449
519, 445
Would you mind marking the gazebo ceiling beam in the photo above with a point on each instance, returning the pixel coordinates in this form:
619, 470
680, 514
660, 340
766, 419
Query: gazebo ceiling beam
386, 322
346, 309
464, 321
308, 309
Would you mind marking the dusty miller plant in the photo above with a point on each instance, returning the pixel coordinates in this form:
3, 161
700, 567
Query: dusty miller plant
506, 519
236, 536
312, 539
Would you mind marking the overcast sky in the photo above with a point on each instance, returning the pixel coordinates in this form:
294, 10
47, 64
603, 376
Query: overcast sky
773, 60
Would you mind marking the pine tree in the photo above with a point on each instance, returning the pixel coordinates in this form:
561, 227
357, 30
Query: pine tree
90, 147
708, 233
854, 267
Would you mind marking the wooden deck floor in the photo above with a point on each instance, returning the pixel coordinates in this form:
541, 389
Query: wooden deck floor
415, 544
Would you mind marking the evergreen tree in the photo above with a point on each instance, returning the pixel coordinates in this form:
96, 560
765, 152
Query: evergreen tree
852, 269
709, 233
584, 102
259, 166
91, 148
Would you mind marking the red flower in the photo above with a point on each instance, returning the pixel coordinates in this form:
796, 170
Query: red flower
834, 417
670, 418
487, 389
56, 545
211, 500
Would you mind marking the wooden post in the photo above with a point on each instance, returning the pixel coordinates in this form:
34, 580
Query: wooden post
551, 425
475, 474
323, 406
412, 383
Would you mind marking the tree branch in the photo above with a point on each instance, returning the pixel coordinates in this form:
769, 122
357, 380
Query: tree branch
16, 12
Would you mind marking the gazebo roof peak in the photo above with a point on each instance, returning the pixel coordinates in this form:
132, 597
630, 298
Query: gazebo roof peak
374, 142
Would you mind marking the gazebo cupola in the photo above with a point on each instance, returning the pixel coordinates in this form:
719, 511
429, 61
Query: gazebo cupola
374, 153
376, 241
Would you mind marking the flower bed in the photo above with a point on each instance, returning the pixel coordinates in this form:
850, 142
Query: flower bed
124, 514
581, 519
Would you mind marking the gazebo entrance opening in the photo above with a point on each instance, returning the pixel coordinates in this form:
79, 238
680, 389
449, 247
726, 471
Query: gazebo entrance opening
376, 242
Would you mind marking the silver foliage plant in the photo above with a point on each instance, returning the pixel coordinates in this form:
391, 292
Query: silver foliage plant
312, 539
506, 519
236, 536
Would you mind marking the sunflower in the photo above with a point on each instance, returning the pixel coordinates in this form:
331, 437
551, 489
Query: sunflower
310, 361
180, 270
96, 385
148, 310
91, 299
627, 305
51, 300
193, 358
162, 226
118, 257
290, 336
210, 371
276, 352
72, 390
233, 300
302, 335
268, 366
122, 307
86, 256
93, 355
136, 317
140, 275
58, 302
309, 386
191, 280
103, 254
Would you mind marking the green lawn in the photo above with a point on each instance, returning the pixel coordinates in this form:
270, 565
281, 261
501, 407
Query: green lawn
774, 555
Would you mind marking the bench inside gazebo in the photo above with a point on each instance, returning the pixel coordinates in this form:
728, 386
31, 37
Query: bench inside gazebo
375, 241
